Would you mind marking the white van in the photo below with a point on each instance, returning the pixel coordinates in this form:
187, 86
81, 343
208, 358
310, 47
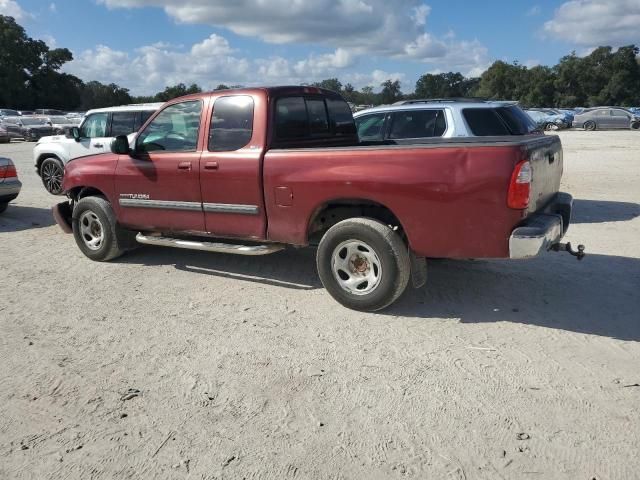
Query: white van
94, 135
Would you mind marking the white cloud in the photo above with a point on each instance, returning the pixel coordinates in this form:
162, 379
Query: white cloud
11, 8
50, 41
210, 62
595, 22
355, 27
53, 8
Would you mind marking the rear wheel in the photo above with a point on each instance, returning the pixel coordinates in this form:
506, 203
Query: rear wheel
52, 173
3, 206
363, 264
96, 231
590, 126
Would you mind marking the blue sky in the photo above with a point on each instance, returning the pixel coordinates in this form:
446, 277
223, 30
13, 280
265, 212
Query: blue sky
146, 44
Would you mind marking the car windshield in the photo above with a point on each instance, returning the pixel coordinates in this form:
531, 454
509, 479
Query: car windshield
33, 121
9, 113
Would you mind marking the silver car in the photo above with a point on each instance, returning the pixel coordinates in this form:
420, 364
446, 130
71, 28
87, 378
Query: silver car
605, 118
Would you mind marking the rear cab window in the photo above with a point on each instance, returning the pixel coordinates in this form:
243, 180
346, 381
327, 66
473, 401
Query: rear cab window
307, 119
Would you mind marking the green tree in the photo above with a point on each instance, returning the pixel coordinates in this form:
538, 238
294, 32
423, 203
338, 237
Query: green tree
330, 84
98, 95
390, 91
175, 91
503, 81
442, 85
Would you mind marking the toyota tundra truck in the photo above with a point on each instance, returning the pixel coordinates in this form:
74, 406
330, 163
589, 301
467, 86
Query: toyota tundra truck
252, 171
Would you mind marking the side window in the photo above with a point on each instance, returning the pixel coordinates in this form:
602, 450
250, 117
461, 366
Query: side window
122, 123
141, 119
603, 113
485, 122
619, 113
318, 121
417, 124
370, 126
341, 117
94, 126
291, 118
231, 123
175, 129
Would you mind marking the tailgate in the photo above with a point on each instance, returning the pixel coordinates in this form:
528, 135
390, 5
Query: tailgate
545, 156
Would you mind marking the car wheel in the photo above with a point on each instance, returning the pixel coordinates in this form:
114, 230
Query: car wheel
97, 232
363, 264
3, 206
590, 126
52, 173
550, 126
635, 126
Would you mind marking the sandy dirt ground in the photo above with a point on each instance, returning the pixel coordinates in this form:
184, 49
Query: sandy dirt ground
246, 368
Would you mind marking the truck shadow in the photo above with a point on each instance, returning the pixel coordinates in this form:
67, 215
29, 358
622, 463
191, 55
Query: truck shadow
598, 296
291, 268
598, 211
18, 218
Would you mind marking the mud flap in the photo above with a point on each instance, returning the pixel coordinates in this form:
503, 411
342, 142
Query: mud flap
418, 270
62, 215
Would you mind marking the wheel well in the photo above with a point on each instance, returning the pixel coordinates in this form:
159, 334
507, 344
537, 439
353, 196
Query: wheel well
80, 192
335, 211
42, 157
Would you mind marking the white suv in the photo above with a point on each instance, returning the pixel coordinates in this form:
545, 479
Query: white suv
93, 136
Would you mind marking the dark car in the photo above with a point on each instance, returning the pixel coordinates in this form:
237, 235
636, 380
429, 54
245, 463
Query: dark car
9, 183
28, 128
4, 135
8, 112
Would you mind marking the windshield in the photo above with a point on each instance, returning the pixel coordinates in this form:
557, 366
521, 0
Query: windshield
33, 121
9, 113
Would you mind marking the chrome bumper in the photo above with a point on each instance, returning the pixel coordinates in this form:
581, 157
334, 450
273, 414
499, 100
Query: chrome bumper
541, 231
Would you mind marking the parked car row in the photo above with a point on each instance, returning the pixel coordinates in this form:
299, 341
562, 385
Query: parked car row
595, 118
32, 128
46, 112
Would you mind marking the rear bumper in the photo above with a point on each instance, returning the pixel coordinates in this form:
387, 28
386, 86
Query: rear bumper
542, 230
9, 190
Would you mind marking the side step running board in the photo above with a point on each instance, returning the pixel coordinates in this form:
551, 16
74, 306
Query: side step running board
210, 246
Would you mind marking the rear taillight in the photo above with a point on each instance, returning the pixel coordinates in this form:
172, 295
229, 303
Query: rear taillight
520, 186
8, 171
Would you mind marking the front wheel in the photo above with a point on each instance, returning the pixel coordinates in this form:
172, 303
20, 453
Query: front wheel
3, 206
363, 264
96, 231
52, 173
635, 126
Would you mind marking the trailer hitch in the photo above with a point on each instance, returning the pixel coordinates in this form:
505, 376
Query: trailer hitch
566, 247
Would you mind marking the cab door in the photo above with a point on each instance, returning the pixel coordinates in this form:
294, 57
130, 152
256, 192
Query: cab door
93, 136
158, 186
230, 169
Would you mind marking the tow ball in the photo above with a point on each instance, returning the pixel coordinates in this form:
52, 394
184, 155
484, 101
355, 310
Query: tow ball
566, 247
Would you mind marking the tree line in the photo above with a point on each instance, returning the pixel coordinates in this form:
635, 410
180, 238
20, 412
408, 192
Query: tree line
30, 77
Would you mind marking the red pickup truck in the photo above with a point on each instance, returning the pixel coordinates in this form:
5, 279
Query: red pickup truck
250, 171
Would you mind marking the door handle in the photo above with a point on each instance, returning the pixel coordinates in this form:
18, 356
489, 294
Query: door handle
184, 166
211, 165
98, 145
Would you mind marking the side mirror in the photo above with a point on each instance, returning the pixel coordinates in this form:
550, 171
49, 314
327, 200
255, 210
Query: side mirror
75, 132
120, 145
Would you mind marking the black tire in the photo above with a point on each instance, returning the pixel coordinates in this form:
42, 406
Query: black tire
114, 240
388, 248
635, 126
3, 206
550, 126
590, 126
52, 174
